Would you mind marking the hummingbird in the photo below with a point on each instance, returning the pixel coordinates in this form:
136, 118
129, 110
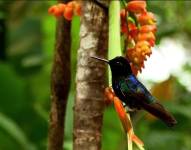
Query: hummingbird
132, 92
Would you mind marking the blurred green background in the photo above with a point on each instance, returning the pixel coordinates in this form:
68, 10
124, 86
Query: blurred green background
26, 55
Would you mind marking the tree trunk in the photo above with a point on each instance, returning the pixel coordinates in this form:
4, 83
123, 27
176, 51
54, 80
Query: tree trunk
60, 84
90, 78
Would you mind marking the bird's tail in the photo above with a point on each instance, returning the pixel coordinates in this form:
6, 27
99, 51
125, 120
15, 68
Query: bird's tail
160, 112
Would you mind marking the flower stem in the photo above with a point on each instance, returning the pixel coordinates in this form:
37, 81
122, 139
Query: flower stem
114, 32
115, 50
114, 29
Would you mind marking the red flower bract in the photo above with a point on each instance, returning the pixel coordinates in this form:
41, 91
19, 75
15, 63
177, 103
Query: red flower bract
55, 10
61, 6
148, 28
124, 117
66, 10
77, 9
146, 18
136, 6
146, 36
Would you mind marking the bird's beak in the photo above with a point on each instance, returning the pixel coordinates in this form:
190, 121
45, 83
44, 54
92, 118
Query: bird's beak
101, 59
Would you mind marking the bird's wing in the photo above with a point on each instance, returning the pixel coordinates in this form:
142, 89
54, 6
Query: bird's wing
131, 87
140, 97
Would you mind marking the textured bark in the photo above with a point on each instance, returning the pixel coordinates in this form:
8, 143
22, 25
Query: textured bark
60, 84
90, 78
104, 3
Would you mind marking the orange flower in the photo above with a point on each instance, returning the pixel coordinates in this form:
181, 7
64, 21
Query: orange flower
134, 69
152, 42
137, 55
123, 14
66, 10
141, 44
71, 4
61, 7
77, 9
148, 28
143, 47
51, 10
68, 13
146, 18
133, 56
124, 28
55, 10
133, 30
136, 6
146, 36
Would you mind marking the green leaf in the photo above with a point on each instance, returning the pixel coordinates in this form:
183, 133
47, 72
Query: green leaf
15, 132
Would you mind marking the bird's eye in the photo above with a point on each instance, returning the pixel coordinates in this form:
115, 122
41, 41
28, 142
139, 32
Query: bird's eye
119, 63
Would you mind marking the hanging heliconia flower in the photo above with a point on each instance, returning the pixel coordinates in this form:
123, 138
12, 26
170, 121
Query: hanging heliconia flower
66, 10
136, 6
139, 28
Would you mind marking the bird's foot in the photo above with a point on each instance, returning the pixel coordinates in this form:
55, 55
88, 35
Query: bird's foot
128, 109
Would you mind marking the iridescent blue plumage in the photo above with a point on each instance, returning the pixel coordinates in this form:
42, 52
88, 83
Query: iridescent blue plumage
127, 88
133, 93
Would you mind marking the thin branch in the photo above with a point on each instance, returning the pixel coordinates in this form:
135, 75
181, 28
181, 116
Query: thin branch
60, 84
